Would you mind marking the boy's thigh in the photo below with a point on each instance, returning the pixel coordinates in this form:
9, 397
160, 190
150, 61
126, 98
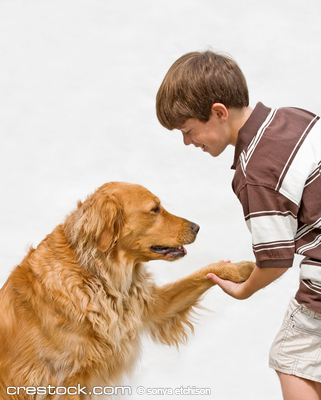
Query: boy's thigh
296, 349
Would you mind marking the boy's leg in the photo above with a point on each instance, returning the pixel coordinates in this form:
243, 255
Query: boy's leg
295, 388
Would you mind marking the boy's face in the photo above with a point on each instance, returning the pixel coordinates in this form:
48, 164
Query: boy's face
212, 136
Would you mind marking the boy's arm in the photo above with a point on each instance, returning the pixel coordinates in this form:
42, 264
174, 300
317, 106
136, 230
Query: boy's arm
259, 278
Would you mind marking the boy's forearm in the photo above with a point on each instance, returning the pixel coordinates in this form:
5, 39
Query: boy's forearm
260, 278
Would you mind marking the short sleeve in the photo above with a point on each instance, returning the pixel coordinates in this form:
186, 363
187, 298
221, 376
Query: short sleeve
272, 221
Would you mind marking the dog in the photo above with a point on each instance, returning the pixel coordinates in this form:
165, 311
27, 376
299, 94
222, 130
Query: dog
73, 311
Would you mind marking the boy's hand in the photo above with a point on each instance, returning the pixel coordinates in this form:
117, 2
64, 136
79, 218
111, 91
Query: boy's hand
231, 288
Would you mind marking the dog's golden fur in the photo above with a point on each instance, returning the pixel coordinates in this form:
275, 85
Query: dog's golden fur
73, 311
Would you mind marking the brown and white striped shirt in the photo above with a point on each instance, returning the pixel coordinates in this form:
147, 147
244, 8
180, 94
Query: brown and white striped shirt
278, 182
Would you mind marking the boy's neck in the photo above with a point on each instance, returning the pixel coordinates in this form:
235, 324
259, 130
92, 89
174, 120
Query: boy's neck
237, 119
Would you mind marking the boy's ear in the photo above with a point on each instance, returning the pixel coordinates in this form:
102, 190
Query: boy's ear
220, 111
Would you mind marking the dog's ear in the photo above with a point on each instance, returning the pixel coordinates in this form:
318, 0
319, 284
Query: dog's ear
111, 216
96, 222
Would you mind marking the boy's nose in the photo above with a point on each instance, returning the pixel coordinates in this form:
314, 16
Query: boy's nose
186, 139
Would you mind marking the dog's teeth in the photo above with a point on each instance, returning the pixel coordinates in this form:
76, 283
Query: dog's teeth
183, 249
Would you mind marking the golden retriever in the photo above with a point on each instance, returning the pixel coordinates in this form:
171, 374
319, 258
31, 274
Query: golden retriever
73, 311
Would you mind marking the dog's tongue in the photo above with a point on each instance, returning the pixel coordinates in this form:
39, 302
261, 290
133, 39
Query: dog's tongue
177, 251
170, 250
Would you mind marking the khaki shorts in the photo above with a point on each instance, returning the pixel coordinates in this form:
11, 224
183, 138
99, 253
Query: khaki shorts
296, 349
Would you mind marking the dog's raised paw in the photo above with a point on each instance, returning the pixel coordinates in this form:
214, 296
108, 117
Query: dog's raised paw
245, 268
236, 272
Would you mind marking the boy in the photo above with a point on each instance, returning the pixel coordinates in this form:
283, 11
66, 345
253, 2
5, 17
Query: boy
277, 180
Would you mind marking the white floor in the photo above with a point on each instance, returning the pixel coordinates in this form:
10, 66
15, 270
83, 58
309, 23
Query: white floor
78, 80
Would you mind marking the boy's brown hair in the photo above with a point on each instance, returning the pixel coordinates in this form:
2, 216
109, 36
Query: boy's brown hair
194, 83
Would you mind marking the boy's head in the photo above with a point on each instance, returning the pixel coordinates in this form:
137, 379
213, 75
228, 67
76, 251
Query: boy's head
194, 83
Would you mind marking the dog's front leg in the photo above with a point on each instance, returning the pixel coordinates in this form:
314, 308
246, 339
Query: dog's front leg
175, 297
170, 313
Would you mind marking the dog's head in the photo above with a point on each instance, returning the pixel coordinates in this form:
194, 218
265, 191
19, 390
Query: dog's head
129, 219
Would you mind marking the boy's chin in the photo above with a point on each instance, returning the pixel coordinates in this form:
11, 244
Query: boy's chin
213, 152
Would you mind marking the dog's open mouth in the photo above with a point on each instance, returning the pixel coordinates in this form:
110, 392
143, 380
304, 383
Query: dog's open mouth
172, 251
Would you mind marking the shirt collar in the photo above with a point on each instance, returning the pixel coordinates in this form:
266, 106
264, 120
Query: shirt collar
249, 130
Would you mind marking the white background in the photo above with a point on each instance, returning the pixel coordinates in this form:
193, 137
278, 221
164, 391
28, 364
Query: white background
78, 81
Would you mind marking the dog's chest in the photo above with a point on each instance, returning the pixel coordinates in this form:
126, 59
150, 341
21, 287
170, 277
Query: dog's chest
118, 346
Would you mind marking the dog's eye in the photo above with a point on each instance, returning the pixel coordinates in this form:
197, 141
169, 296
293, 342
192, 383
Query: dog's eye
156, 209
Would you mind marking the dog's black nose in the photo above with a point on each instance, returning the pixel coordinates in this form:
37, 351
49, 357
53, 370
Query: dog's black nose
195, 228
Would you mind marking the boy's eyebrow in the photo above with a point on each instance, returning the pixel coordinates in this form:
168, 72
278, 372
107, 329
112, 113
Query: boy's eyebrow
182, 128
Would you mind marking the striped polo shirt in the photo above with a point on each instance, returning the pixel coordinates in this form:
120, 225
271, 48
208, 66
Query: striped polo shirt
277, 180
